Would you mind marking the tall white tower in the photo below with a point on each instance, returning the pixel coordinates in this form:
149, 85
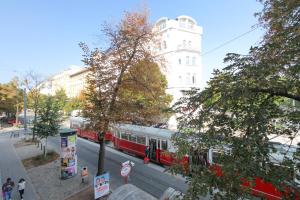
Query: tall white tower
180, 46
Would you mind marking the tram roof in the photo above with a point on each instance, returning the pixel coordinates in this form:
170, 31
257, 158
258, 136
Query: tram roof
145, 130
137, 130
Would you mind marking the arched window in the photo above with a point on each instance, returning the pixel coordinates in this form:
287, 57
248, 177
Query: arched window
179, 61
182, 22
162, 25
190, 24
187, 62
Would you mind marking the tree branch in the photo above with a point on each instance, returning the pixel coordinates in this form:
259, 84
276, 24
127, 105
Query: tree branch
277, 93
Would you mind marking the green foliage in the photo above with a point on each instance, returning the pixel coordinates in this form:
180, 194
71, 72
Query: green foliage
126, 48
10, 96
49, 118
142, 97
61, 98
73, 104
237, 112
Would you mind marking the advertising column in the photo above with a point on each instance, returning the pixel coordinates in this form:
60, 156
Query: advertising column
68, 155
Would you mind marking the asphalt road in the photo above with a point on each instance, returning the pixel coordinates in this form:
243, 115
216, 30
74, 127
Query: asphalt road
149, 178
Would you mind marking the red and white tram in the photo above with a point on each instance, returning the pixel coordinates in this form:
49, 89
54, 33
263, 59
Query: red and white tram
79, 123
135, 139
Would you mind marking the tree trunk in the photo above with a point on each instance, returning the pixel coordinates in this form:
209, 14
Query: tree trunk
101, 154
45, 149
17, 114
34, 121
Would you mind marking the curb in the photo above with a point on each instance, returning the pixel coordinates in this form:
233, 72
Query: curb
84, 188
1, 198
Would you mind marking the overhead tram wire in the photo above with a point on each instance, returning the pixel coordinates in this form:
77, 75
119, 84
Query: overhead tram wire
229, 41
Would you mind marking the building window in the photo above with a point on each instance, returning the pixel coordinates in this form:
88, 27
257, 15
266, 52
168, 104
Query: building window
184, 43
159, 46
194, 81
162, 25
187, 62
190, 44
165, 44
180, 79
182, 22
194, 60
179, 61
188, 79
190, 24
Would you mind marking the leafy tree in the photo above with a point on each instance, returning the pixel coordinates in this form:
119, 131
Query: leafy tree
235, 114
11, 97
74, 104
128, 45
33, 82
61, 98
48, 119
143, 90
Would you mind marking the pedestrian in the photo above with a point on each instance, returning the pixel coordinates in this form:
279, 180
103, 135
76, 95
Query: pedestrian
21, 187
147, 151
7, 188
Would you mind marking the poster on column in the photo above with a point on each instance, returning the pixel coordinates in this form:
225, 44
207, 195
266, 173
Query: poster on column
68, 154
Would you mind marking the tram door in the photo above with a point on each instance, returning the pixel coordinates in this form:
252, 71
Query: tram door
153, 147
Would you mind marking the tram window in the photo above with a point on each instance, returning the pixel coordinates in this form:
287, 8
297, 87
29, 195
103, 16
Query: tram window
124, 136
216, 157
164, 145
132, 138
141, 139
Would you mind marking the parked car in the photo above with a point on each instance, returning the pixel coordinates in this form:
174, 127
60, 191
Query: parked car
11, 121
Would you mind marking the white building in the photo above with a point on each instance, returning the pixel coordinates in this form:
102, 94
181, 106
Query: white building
78, 82
179, 44
60, 81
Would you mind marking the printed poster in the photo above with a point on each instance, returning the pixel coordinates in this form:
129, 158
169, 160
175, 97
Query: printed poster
101, 185
68, 156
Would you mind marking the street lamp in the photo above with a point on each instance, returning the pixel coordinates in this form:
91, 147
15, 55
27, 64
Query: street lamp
25, 107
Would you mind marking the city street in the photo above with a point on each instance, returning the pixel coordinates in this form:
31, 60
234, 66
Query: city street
149, 178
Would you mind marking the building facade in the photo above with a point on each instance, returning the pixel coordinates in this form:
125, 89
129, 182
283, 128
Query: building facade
78, 82
179, 44
60, 81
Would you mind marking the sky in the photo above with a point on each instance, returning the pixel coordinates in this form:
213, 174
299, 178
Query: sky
43, 36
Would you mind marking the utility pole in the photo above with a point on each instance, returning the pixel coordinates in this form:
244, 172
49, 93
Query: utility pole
25, 107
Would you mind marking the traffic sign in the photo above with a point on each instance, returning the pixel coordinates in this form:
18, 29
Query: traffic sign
125, 170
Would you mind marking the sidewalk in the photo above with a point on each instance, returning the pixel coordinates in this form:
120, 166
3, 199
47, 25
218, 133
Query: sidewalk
11, 166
